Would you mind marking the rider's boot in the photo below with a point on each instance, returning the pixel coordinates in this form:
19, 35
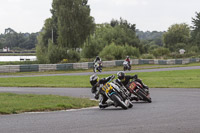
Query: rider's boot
102, 106
134, 98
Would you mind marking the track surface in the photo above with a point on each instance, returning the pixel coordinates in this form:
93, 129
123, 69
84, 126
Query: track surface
173, 110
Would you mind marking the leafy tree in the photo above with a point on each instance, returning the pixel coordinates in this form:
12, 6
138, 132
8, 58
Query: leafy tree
19, 41
117, 32
68, 28
177, 33
74, 22
124, 33
196, 29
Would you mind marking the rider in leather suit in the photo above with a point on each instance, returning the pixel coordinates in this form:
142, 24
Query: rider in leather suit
125, 79
96, 89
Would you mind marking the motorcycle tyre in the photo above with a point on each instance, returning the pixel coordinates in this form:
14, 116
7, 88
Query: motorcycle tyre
94, 69
144, 96
130, 105
119, 102
125, 68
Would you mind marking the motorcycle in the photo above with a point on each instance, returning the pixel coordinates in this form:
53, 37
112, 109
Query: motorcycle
97, 66
137, 89
126, 66
117, 95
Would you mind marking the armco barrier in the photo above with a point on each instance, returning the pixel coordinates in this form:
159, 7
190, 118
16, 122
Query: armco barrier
47, 67
64, 66
9, 68
86, 65
83, 65
29, 68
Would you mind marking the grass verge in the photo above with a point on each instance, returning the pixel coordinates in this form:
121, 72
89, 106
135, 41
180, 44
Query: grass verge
163, 79
17, 103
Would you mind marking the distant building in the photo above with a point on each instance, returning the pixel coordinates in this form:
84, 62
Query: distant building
6, 49
182, 51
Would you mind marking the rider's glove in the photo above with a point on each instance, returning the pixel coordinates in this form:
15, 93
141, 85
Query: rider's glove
135, 76
113, 76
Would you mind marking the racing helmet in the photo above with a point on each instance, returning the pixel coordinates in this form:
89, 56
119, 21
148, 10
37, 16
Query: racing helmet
94, 79
121, 75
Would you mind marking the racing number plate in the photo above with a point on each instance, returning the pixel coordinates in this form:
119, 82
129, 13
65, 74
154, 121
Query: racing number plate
107, 87
132, 86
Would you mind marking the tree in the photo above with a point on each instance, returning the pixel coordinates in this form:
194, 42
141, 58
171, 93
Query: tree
74, 22
68, 29
196, 29
176, 34
15, 40
124, 33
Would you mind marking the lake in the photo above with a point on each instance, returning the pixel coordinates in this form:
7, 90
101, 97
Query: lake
17, 58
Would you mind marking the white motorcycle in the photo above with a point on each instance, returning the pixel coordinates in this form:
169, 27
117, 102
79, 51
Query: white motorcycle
97, 66
126, 66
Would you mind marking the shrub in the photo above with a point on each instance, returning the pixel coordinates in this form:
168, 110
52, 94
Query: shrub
111, 52
161, 52
73, 56
131, 51
148, 56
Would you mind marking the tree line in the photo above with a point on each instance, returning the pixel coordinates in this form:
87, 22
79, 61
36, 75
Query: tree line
18, 41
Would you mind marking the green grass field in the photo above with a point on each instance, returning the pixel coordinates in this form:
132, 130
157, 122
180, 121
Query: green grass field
18, 103
165, 79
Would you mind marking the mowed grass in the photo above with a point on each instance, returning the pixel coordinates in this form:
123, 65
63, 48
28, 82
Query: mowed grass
163, 79
172, 79
18, 103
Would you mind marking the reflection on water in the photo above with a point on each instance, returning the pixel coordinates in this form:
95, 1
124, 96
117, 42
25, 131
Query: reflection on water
17, 58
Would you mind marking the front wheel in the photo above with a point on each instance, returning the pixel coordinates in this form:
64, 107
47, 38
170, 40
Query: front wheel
144, 96
118, 101
94, 69
125, 68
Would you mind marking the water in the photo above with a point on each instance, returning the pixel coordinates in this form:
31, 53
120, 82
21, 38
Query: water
17, 58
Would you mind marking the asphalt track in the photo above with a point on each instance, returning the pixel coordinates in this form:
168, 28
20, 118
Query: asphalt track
173, 110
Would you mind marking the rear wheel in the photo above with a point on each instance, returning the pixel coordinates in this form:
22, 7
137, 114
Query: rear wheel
118, 101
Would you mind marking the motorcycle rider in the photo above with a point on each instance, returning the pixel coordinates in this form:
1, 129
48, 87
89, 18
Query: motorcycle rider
128, 60
97, 59
96, 89
125, 79
98, 65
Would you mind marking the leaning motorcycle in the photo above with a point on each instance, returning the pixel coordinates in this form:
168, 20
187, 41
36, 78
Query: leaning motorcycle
97, 66
126, 66
137, 89
117, 95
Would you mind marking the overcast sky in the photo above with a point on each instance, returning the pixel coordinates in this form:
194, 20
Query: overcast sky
29, 15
